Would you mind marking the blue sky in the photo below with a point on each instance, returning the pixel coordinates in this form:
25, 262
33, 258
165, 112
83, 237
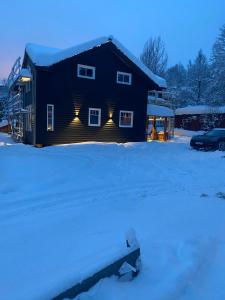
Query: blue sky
185, 26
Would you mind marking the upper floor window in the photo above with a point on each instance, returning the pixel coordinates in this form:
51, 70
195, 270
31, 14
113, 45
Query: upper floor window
84, 71
126, 118
123, 78
50, 117
94, 117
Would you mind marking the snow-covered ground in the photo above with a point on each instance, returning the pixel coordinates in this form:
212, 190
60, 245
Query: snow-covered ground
65, 210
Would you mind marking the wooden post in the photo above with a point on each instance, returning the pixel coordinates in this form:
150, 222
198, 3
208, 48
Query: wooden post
147, 122
154, 132
165, 129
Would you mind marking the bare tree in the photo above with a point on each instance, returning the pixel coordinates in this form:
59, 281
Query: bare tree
154, 56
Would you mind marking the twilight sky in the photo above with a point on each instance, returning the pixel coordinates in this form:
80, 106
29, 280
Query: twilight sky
184, 25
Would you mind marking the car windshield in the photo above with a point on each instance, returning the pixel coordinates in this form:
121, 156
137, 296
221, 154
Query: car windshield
216, 132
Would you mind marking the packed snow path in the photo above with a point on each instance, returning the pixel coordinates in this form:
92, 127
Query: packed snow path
64, 211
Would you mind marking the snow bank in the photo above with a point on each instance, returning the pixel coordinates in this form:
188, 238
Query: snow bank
199, 109
44, 56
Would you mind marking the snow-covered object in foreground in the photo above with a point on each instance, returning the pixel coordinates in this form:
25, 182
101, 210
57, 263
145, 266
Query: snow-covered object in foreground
126, 271
44, 56
160, 111
131, 239
200, 109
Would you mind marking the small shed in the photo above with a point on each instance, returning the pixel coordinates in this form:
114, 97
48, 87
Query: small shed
200, 117
4, 126
160, 122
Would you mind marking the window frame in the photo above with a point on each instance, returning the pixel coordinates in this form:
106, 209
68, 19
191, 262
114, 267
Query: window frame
87, 67
99, 117
132, 119
53, 117
123, 73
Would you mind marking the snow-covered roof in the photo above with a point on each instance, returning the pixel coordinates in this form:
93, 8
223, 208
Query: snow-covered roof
159, 111
45, 56
25, 73
199, 109
3, 123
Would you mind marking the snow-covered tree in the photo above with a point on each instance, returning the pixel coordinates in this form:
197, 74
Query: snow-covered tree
198, 80
154, 56
176, 77
218, 70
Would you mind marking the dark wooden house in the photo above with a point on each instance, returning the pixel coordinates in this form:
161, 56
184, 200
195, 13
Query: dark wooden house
200, 117
96, 91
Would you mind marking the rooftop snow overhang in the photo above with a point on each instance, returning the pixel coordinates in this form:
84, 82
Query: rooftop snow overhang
159, 111
44, 57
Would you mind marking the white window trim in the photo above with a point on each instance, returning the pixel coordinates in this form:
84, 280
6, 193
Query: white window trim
123, 73
53, 117
87, 67
132, 118
89, 117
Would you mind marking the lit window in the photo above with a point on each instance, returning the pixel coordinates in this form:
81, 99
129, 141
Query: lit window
85, 71
126, 118
94, 117
124, 78
50, 117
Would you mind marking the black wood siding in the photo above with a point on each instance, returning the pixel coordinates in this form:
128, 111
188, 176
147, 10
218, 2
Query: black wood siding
28, 99
60, 86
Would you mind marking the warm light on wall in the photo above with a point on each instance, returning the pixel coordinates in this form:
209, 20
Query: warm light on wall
76, 112
110, 114
24, 79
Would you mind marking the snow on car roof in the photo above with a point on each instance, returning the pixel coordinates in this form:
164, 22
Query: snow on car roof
46, 56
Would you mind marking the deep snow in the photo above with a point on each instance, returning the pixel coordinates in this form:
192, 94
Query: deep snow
65, 210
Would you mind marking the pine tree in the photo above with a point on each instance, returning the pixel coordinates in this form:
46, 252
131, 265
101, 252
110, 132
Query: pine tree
218, 70
176, 82
198, 79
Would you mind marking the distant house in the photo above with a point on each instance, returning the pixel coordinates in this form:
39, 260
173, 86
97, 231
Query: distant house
200, 117
96, 91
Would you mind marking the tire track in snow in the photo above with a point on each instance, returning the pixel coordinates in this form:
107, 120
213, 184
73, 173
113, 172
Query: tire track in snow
90, 196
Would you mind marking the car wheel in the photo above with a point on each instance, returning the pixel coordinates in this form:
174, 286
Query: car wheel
221, 146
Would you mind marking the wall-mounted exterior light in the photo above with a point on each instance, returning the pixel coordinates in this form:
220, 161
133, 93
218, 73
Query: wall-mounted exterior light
24, 76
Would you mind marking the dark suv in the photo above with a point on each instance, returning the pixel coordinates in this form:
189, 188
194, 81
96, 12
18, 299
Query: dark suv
211, 140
